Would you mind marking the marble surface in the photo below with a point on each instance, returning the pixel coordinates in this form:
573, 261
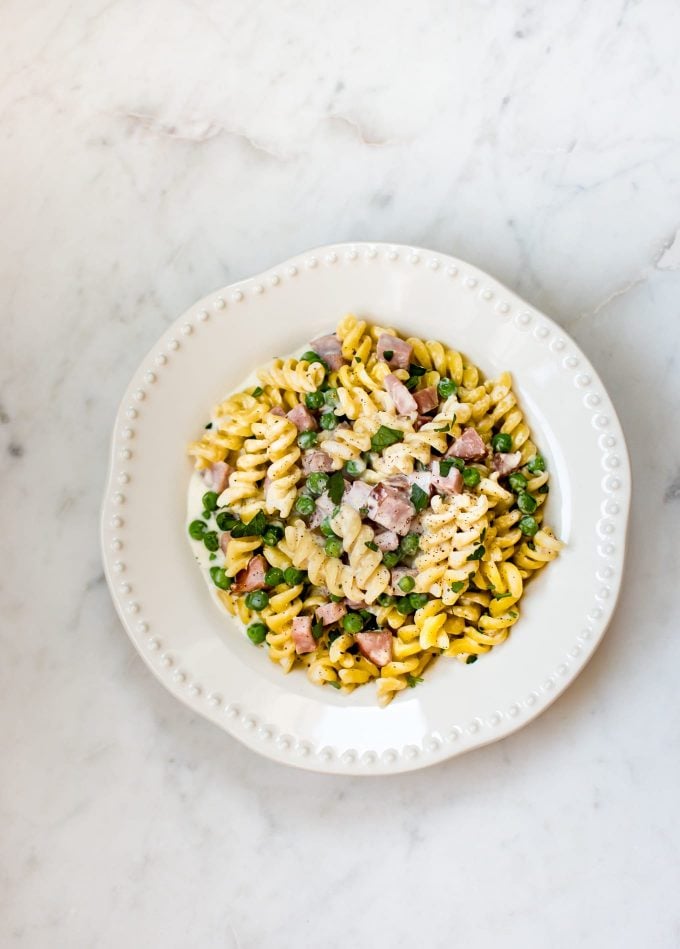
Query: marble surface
154, 151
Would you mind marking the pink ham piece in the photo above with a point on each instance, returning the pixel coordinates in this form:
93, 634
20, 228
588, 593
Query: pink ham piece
397, 574
401, 351
355, 604
302, 419
376, 646
302, 635
316, 461
216, 476
423, 479
391, 508
324, 508
224, 541
277, 410
452, 483
386, 540
252, 578
426, 399
507, 462
469, 446
358, 495
330, 350
421, 420
404, 403
329, 613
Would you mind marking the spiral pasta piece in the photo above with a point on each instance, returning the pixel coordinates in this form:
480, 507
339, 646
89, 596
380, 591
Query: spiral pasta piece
297, 375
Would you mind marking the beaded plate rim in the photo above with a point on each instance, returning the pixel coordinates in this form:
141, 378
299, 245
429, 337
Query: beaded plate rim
240, 722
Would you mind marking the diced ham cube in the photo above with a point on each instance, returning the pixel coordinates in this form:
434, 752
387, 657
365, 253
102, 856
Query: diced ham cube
420, 421
355, 604
331, 612
404, 403
302, 635
216, 476
390, 508
330, 350
324, 508
302, 419
469, 446
277, 410
386, 540
358, 495
452, 483
252, 578
397, 574
507, 462
376, 646
316, 461
224, 541
423, 479
401, 351
426, 399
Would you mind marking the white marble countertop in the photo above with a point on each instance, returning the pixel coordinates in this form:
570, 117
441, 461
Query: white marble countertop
155, 151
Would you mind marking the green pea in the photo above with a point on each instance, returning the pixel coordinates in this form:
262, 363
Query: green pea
197, 529
271, 537
220, 579
305, 505
310, 356
276, 530
226, 521
326, 529
536, 464
209, 500
447, 387
328, 421
391, 558
418, 600
471, 477
404, 606
257, 633
210, 540
257, 600
335, 598
501, 442
517, 481
333, 547
314, 400
307, 439
529, 526
409, 545
317, 483
526, 503
406, 584
386, 600
330, 397
293, 576
273, 577
352, 623
355, 467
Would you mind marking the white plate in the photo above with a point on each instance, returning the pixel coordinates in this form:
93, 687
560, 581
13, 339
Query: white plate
199, 654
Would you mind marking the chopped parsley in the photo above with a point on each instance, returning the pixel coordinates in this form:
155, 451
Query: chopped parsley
357, 359
385, 437
371, 545
513, 613
255, 527
444, 428
412, 681
388, 354
363, 511
317, 630
482, 536
457, 586
445, 465
544, 488
336, 487
419, 498
470, 660
209, 425
477, 553
415, 370
336, 685
501, 596
258, 391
